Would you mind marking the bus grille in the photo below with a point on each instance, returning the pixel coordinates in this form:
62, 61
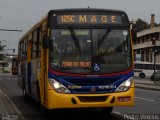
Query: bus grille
92, 98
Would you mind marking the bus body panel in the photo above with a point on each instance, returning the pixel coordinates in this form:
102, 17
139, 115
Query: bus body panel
56, 100
33, 78
22, 71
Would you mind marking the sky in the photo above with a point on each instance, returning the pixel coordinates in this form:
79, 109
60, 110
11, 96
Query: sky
23, 14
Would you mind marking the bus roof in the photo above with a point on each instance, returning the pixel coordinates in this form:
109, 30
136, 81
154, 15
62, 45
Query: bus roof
36, 25
87, 10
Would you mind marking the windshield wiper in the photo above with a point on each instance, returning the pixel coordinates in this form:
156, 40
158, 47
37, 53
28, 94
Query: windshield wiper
104, 37
76, 42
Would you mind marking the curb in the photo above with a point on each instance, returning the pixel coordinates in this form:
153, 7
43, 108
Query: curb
146, 88
153, 84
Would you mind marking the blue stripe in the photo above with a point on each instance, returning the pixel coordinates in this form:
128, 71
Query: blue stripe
88, 83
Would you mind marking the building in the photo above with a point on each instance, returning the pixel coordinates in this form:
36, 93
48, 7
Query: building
147, 41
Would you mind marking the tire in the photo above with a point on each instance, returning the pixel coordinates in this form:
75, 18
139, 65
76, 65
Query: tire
107, 110
152, 78
141, 75
42, 108
25, 96
38, 94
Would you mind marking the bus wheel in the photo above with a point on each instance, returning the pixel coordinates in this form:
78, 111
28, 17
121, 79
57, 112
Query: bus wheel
25, 96
42, 108
141, 75
38, 94
106, 111
152, 78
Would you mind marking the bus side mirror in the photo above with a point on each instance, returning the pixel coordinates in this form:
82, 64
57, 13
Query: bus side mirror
134, 35
45, 42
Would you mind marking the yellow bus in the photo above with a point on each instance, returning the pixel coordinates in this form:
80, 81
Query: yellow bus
78, 58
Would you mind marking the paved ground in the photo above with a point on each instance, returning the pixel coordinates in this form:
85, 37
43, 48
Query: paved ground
8, 110
5, 105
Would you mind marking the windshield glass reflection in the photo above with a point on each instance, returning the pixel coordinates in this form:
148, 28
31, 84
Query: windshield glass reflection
79, 50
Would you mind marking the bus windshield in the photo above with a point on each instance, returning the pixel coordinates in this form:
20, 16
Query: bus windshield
81, 50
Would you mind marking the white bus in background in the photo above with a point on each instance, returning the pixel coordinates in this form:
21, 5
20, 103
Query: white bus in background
144, 69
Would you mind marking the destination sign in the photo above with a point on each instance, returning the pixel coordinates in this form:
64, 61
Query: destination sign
76, 64
89, 19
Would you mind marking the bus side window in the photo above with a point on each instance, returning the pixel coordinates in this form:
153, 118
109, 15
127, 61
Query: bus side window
24, 49
39, 41
19, 52
34, 44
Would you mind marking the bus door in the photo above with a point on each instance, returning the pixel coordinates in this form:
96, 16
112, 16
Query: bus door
34, 66
28, 68
44, 71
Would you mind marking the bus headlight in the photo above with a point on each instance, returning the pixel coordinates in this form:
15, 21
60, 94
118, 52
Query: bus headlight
124, 86
58, 87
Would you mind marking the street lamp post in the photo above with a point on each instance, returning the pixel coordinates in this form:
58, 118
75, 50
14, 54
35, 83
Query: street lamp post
11, 30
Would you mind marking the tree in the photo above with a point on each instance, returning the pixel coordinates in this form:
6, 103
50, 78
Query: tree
140, 25
1, 48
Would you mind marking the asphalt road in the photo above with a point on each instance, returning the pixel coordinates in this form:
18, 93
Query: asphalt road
146, 102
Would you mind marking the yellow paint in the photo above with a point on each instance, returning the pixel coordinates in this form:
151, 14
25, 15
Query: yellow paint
57, 100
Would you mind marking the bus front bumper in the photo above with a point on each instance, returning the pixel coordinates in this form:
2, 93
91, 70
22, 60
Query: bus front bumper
57, 100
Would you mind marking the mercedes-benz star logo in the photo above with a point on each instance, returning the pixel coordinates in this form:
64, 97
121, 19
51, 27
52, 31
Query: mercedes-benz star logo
93, 89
